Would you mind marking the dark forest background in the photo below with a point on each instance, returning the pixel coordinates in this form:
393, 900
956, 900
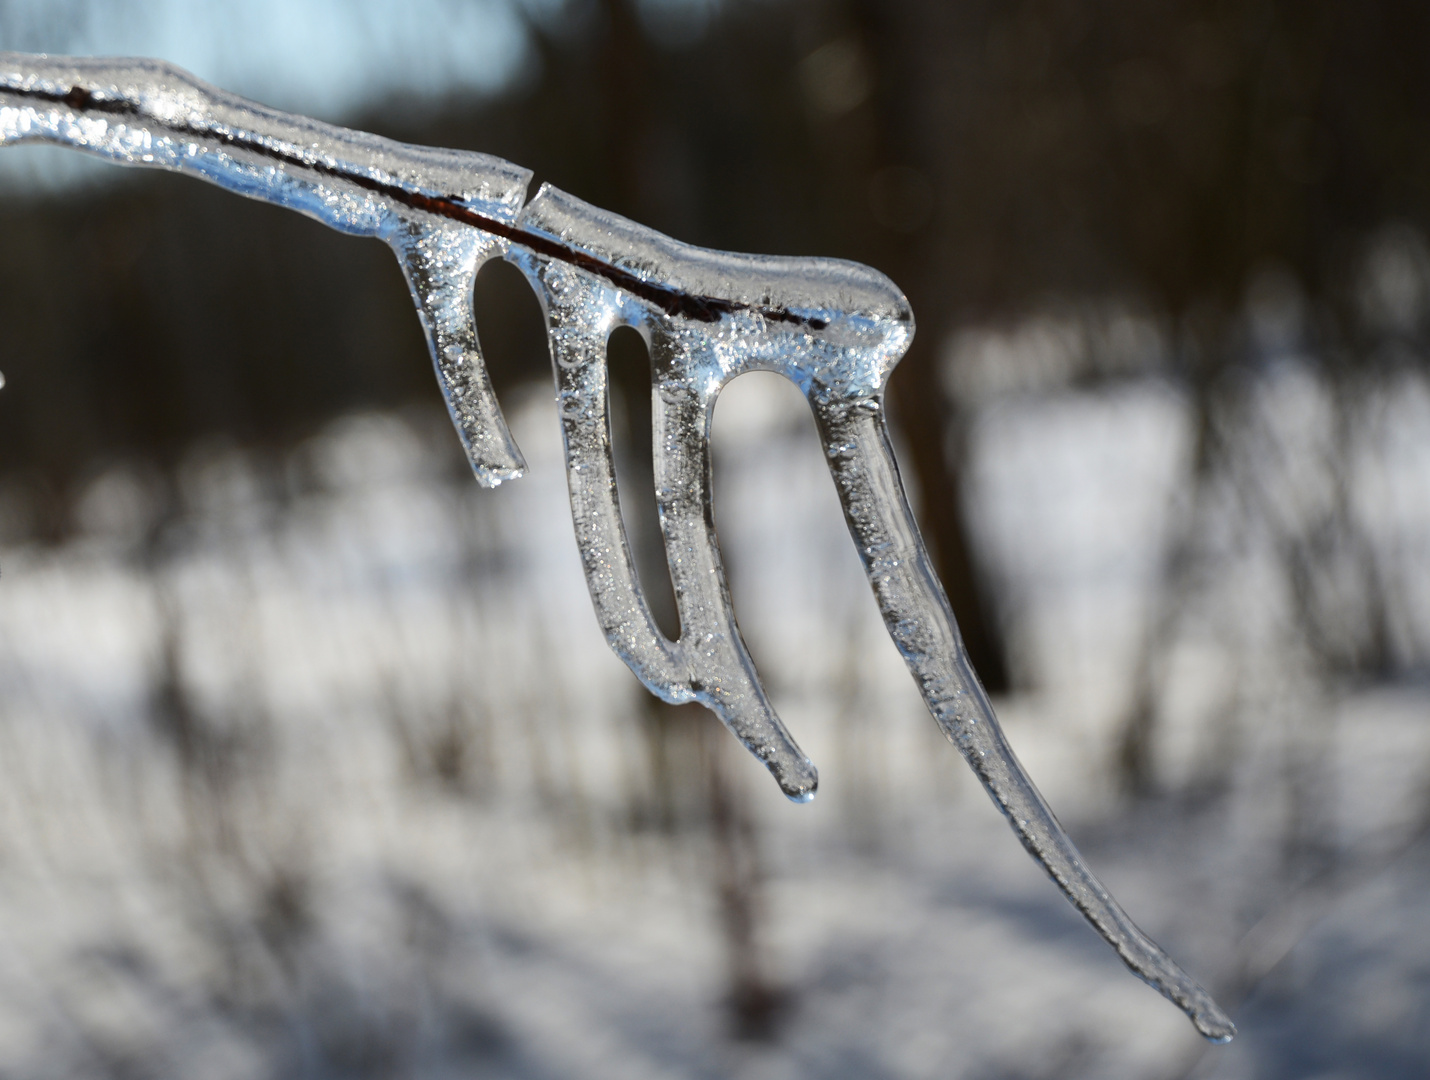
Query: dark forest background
986, 156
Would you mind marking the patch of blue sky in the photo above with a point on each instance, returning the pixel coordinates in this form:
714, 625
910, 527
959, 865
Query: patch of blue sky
326, 58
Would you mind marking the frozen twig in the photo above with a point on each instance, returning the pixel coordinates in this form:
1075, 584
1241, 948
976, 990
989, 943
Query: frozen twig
836, 329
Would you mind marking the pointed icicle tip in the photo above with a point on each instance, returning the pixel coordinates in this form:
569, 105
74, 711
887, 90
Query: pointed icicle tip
490, 478
799, 784
1215, 1026
496, 460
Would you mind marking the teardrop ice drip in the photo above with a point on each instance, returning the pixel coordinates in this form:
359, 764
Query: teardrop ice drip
836, 329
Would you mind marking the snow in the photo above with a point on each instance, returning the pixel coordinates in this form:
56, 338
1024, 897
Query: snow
515, 917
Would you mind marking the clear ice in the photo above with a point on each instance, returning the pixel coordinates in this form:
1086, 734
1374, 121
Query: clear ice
834, 328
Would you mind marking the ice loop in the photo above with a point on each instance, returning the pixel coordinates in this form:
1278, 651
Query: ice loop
836, 329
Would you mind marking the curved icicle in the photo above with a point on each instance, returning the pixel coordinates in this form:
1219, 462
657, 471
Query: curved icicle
836, 329
918, 617
441, 276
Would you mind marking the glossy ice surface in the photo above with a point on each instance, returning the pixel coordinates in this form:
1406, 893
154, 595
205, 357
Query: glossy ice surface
834, 328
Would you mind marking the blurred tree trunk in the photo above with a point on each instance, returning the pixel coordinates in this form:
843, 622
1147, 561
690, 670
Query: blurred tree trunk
897, 173
629, 81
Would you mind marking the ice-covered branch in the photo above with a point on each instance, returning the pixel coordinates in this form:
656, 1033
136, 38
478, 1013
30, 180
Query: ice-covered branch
836, 329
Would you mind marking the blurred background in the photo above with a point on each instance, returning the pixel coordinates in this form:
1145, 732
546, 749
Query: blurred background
314, 762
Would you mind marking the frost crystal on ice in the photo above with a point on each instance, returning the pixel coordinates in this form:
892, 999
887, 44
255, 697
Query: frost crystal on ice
836, 329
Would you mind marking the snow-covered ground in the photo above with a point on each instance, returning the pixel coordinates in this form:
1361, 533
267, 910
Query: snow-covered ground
341, 780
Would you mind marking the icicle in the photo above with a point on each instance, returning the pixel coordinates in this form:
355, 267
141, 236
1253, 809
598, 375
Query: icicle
834, 328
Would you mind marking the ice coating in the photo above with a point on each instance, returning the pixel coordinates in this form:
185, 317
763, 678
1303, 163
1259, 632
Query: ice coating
144, 112
836, 329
